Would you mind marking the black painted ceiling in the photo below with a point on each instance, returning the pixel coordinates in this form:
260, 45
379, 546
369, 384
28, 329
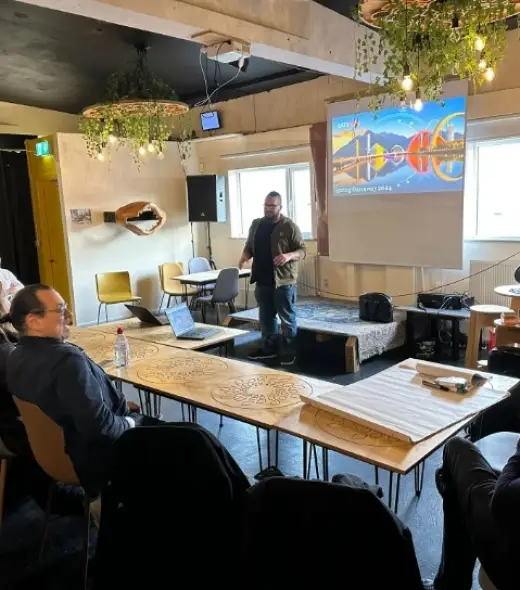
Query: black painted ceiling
60, 61
344, 7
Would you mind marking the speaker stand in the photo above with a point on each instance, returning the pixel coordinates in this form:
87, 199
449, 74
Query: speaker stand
192, 241
210, 249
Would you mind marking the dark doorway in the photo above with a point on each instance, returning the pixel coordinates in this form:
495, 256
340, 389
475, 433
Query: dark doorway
17, 236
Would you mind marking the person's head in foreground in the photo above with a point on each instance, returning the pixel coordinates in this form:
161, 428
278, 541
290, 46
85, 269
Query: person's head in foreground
273, 206
39, 310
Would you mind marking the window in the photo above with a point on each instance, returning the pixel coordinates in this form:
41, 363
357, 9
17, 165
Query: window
248, 189
492, 204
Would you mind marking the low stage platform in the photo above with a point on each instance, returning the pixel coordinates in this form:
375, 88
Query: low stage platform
330, 318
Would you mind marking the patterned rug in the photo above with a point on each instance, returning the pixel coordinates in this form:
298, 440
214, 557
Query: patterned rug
338, 318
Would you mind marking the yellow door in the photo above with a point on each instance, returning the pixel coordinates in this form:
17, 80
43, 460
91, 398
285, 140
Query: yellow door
48, 219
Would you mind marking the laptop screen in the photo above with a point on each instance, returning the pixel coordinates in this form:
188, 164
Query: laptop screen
180, 319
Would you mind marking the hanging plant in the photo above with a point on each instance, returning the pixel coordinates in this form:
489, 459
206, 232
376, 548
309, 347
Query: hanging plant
422, 44
140, 112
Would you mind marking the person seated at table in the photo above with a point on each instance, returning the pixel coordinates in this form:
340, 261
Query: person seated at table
65, 383
481, 515
9, 284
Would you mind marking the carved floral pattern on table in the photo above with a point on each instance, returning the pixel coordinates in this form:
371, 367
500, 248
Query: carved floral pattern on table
86, 338
354, 432
261, 392
138, 352
181, 370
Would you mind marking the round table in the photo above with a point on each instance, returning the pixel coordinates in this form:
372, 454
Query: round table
505, 291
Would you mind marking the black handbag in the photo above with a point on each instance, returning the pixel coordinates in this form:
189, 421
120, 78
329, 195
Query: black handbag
376, 307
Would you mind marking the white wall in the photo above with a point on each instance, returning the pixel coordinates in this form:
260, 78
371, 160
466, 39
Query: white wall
103, 247
24, 120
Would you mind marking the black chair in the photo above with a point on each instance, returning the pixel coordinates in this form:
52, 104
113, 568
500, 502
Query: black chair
313, 534
170, 512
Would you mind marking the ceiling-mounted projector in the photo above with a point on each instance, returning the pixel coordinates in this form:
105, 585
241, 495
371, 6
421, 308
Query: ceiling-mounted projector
228, 51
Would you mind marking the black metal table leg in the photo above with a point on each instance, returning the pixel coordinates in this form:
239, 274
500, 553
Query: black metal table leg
455, 338
304, 459
277, 448
390, 488
268, 441
377, 475
397, 491
259, 446
419, 477
325, 462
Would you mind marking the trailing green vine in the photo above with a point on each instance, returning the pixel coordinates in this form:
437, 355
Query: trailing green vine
451, 39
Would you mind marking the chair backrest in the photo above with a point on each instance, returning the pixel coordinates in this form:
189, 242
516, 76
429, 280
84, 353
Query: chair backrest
199, 264
167, 272
47, 443
361, 542
178, 464
227, 285
112, 283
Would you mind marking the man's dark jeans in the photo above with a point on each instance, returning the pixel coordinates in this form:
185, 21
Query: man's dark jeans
470, 530
274, 301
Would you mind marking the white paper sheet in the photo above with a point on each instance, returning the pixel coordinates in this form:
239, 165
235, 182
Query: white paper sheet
395, 402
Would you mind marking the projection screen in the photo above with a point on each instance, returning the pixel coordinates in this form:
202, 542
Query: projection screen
396, 181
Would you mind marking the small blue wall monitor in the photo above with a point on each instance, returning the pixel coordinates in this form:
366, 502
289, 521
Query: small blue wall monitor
210, 121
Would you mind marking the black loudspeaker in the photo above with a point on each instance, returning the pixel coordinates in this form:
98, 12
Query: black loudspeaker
207, 198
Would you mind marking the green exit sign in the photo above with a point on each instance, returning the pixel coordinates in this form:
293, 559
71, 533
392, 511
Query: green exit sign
43, 148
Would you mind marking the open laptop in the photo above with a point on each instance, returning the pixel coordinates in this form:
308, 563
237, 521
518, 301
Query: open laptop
146, 316
183, 325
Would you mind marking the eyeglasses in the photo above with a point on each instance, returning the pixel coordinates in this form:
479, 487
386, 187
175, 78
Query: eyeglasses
271, 206
61, 309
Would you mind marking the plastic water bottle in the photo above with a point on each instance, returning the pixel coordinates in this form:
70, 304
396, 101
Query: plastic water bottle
121, 349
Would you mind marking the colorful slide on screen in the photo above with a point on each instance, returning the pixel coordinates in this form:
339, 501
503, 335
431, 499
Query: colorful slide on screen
400, 150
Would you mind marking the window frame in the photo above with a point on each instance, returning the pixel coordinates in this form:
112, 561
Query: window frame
472, 188
234, 176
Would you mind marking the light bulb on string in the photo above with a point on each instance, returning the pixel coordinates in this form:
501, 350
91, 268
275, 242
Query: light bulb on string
479, 43
406, 82
160, 156
402, 101
418, 104
142, 151
489, 74
101, 156
112, 138
151, 147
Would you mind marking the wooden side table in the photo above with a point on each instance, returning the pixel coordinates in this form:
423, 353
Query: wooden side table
482, 316
507, 291
507, 335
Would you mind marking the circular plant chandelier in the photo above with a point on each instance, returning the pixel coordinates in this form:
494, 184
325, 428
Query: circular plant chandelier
140, 113
423, 43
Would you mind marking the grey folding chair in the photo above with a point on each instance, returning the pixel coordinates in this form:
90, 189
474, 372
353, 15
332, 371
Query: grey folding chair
226, 290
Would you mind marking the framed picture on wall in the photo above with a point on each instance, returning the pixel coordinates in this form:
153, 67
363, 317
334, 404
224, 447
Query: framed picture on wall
81, 216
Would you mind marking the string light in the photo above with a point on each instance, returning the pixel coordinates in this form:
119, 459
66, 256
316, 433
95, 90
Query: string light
112, 138
142, 151
151, 147
160, 155
418, 104
101, 156
482, 64
406, 82
479, 44
489, 74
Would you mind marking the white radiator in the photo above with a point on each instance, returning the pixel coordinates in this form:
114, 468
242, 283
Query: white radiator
307, 277
483, 284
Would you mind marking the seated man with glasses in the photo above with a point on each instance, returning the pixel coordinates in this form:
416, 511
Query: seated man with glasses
65, 383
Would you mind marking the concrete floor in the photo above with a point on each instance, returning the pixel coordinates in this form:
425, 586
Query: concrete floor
20, 534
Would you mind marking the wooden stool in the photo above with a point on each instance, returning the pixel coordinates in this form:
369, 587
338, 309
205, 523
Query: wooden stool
482, 316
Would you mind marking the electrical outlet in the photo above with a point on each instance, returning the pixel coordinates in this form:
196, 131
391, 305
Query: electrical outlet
201, 168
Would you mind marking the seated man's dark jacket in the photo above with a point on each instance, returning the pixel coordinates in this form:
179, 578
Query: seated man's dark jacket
76, 394
505, 504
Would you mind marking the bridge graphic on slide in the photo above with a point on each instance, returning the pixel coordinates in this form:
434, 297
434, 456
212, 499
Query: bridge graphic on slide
425, 151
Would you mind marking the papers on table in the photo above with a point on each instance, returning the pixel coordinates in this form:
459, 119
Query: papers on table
396, 402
